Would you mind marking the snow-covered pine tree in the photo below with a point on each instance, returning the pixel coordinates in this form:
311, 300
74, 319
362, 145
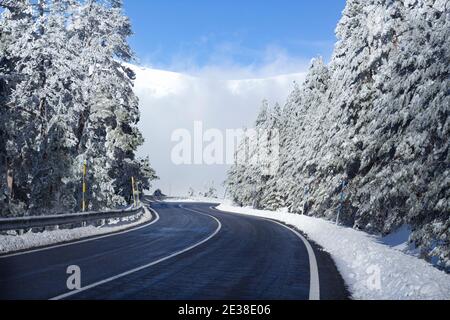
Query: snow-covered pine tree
252, 175
67, 98
375, 121
268, 164
395, 147
234, 180
211, 191
303, 135
15, 16
107, 128
409, 158
37, 47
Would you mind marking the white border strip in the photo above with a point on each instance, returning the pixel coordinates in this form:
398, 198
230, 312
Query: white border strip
314, 284
96, 284
50, 247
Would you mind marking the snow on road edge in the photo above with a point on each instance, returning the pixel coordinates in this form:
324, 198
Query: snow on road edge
371, 270
13, 243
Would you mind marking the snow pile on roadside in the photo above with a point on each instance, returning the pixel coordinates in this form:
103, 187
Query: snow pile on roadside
13, 243
371, 269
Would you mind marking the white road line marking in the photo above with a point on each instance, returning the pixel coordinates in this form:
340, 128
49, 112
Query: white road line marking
68, 294
85, 240
314, 285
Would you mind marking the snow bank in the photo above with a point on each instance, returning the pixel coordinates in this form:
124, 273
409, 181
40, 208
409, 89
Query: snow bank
372, 270
12, 243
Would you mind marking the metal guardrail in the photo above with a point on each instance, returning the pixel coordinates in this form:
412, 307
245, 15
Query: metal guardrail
23, 223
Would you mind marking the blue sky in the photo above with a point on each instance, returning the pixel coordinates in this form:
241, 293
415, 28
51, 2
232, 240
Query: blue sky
263, 37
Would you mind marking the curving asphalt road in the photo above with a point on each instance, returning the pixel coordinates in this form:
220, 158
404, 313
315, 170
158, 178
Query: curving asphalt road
188, 252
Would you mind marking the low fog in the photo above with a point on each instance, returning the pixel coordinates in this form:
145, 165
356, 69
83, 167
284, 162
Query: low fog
171, 101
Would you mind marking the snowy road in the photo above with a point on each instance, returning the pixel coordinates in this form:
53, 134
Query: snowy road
190, 252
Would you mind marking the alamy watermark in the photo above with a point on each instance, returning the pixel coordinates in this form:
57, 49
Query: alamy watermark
373, 278
74, 280
250, 147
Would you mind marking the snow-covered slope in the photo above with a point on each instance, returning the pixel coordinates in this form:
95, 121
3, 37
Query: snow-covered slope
160, 83
372, 270
170, 101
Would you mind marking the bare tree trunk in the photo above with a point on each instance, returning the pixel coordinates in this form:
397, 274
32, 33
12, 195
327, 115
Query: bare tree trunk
42, 102
41, 10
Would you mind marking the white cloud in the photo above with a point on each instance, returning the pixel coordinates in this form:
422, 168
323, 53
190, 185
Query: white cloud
228, 60
273, 61
170, 101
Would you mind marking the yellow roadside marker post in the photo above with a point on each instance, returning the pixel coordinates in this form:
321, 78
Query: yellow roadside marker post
134, 191
83, 204
138, 194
